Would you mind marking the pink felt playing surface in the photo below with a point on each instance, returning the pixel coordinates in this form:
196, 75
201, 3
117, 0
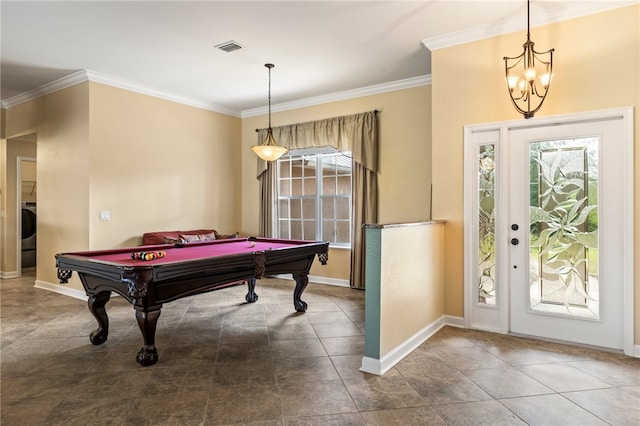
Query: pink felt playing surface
188, 252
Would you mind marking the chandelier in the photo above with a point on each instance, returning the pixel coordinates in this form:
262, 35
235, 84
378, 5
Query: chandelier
528, 76
269, 150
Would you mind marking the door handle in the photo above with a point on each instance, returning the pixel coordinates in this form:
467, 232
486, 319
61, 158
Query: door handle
515, 241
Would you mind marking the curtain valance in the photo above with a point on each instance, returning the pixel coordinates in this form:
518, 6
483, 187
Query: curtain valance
355, 133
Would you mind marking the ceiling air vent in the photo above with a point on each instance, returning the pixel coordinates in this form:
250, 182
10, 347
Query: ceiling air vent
229, 46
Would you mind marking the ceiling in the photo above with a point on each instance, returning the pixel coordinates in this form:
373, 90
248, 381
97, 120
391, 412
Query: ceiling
318, 47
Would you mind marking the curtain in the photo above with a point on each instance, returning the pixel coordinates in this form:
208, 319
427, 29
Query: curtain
267, 201
357, 134
364, 197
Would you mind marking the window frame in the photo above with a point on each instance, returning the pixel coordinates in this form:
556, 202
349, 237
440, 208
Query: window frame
318, 156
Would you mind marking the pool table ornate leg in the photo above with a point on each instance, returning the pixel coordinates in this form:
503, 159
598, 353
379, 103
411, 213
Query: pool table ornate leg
147, 321
96, 305
251, 296
301, 283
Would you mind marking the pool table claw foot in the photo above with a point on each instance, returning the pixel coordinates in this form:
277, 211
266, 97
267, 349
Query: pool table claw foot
98, 336
251, 296
96, 305
147, 356
300, 306
301, 283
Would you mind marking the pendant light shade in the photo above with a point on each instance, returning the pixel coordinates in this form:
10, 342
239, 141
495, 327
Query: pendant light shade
269, 150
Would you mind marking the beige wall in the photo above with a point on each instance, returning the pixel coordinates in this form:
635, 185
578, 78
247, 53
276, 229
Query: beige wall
411, 282
156, 165
405, 160
590, 73
60, 121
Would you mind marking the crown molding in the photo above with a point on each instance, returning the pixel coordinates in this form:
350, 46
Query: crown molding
563, 12
48, 88
341, 96
133, 87
88, 75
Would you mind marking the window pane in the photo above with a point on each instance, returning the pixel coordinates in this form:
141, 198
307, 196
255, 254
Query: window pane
344, 170
309, 186
284, 229
343, 232
296, 186
285, 171
285, 187
342, 208
283, 209
328, 185
296, 230
309, 208
309, 230
328, 208
328, 230
296, 166
328, 167
309, 167
296, 208
344, 185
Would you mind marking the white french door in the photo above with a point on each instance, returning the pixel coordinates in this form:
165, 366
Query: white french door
549, 228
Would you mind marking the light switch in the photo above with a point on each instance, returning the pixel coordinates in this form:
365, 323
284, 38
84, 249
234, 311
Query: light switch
105, 215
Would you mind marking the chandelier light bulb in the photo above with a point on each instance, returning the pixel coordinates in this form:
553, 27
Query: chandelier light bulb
545, 79
512, 81
522, 85
530, 74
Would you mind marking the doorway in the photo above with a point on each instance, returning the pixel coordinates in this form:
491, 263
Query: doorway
549, 228
26, 197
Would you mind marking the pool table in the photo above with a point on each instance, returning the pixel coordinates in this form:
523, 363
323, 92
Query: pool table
183, 270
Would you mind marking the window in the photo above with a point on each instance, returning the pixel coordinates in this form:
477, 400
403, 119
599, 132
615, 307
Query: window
314, 196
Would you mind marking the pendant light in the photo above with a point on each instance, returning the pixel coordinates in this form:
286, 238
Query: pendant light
269, 150
528, 76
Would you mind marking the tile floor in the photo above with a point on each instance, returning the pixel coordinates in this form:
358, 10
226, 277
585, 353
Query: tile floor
224, 362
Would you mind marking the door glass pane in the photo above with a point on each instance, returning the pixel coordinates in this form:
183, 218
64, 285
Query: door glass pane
563, 226
486, 226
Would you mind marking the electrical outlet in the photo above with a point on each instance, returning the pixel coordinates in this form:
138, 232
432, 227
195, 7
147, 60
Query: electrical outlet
105, 215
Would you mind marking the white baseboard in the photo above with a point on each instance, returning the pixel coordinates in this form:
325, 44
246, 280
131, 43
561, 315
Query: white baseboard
318, 280
454, 321
329, 281
7, 275
60, 289
381, 366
